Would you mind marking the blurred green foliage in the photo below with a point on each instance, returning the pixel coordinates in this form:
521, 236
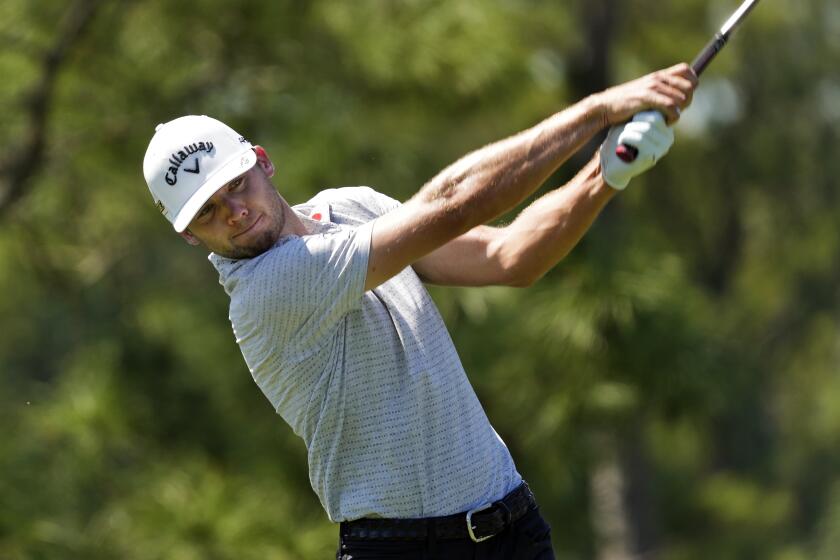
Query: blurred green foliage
692, 340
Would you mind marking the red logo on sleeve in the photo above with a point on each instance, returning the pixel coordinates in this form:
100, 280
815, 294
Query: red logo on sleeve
321, 213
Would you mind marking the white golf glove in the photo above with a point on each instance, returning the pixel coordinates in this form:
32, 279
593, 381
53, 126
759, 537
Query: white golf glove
649, 134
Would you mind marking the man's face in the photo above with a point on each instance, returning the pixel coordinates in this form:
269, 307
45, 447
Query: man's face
244, 218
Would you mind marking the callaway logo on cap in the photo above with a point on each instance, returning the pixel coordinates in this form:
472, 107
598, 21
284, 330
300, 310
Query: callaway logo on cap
188, 160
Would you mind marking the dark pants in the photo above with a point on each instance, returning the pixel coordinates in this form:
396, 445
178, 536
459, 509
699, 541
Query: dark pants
528, 538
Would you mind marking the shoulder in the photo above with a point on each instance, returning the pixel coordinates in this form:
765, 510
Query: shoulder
300, 265
240, 276
360, 204
271, 285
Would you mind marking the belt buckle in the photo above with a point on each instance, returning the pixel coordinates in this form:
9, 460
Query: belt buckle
470, 525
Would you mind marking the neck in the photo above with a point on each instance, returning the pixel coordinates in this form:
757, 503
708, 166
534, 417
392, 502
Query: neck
293, 224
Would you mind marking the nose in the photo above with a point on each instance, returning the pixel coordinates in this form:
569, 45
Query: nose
236, 211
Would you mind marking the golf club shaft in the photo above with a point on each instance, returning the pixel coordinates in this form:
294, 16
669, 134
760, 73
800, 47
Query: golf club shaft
721, 37
629, 154
708, 53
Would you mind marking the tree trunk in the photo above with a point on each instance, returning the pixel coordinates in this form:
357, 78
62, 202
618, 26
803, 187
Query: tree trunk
607, 488
623, 511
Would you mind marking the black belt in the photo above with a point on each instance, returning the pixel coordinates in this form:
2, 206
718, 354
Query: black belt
478, 524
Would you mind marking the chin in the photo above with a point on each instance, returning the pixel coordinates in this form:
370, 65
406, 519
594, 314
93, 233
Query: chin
259, 245
261, 241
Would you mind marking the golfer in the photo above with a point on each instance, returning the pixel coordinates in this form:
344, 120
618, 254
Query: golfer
328, 306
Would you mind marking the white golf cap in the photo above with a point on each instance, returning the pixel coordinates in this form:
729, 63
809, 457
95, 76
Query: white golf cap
189, 159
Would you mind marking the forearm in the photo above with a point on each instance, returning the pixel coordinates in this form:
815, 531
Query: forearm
492, 180
545, 232
489, 182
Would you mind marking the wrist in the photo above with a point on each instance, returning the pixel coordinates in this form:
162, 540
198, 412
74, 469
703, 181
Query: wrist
596, 108
593, 175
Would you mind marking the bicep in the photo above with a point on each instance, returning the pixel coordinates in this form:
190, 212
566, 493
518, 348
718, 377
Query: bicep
423, 235
405, 235
472, 259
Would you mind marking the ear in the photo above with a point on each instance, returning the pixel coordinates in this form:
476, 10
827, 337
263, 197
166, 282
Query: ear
189, 237
264, 161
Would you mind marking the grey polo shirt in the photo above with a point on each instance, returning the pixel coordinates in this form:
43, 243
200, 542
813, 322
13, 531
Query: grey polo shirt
370, 380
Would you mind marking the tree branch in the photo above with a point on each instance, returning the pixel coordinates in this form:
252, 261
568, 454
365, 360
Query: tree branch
19, 168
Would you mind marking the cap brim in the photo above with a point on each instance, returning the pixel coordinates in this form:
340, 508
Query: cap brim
228, 172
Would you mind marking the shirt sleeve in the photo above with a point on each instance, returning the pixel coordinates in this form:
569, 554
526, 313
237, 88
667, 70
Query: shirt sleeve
301, 290
382, 203
357, 203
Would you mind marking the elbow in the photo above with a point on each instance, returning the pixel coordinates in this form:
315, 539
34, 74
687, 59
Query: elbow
512, 267
519, 274
526, 270
517, 261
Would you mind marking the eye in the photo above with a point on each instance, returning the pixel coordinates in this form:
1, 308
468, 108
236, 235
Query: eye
236, 184
204, 214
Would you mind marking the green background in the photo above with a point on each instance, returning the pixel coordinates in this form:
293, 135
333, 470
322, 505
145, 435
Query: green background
671, 390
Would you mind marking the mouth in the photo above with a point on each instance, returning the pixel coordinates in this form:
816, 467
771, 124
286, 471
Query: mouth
249, 228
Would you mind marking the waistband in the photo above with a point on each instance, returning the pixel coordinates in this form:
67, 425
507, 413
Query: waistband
477, 524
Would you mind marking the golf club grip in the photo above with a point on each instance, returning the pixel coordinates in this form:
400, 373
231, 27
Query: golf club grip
708, 53
628, 154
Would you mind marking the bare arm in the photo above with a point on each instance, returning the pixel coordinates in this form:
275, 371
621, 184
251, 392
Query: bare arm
489, 182
521, 253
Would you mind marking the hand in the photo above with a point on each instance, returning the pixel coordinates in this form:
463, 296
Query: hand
668, 91
649, 134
